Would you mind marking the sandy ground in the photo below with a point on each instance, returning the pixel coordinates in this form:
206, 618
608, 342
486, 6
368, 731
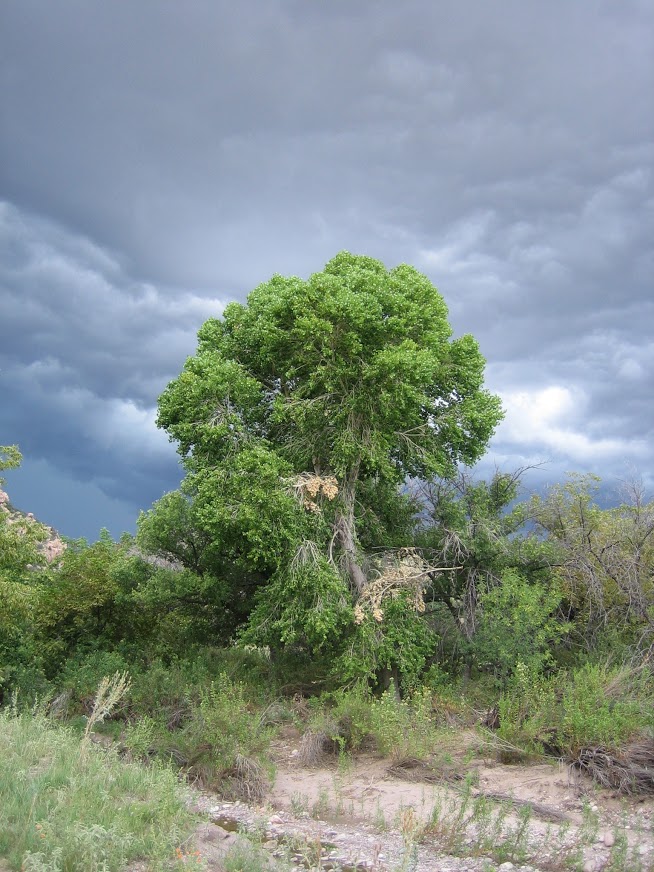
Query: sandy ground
358, 815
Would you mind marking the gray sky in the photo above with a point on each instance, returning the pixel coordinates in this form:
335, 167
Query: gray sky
158, 159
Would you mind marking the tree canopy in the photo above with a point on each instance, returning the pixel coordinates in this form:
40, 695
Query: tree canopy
352, 371
305, 410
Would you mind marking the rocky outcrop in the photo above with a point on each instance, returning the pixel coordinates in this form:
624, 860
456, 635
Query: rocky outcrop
50, 544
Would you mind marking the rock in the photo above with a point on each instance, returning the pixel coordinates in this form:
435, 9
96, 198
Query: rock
506, 867
590, 866
609, 840
212, 833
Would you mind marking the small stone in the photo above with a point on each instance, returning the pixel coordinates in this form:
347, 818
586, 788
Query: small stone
507, 866
590, 866
609, 840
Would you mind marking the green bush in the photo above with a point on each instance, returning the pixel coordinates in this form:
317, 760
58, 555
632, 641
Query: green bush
162, 691
398, 728
516, 625
343, 717
220, 730
83, 673
606, 706
403, 728
593, 706
529, 712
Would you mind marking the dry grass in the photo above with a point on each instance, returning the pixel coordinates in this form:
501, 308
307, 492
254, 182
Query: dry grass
629, 771
415, 770
316, 745
109, 693
245, 781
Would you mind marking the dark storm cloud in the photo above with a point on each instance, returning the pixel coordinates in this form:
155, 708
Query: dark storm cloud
183, 139
158, 159
66, 300
84, 352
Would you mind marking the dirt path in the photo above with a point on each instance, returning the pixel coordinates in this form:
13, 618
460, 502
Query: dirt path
361, 816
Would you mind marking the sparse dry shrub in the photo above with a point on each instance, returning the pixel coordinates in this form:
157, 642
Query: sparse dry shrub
423, 771
246, 780
109, 693
316, 745
629, 771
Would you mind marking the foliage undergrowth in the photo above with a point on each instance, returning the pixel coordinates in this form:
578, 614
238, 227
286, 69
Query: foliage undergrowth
194, 713
222, 740
354, 720
65, 806
595, 705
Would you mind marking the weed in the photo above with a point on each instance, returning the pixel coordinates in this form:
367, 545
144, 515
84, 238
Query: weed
140, 736
403, 728
411, 830
109, 693
246, 857
300, 804
321, 805
380, 819
590, 823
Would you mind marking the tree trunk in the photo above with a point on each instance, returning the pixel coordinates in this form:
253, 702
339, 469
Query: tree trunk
346, 534
391, 675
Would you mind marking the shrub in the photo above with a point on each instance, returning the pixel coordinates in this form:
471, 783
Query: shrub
221, 732
351, 720
341, 723
404, 728
517, 625
84, 672
592, 706
606, 706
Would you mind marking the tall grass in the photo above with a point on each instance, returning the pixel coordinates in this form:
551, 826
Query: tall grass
64, 807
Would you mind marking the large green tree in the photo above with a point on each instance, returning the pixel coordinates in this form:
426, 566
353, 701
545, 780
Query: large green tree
303, 413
